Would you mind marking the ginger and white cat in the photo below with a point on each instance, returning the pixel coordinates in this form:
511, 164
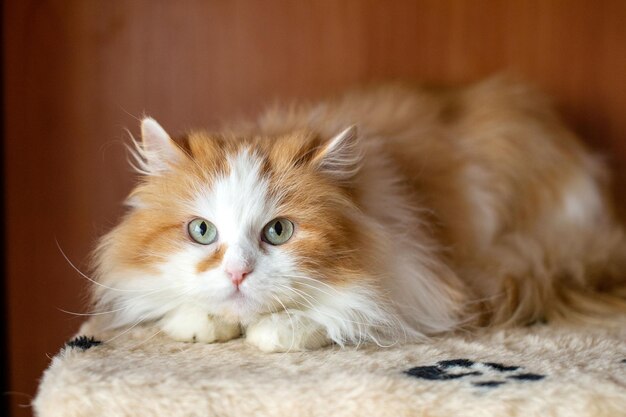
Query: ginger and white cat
383, 215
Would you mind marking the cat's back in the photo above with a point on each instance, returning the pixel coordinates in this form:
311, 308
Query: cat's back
491, 116
499, 138
494, 152
493, 120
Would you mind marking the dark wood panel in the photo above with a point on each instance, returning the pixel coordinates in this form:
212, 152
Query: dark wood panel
79, 71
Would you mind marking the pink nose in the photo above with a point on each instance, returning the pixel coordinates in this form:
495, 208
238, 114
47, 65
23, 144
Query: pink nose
237, 275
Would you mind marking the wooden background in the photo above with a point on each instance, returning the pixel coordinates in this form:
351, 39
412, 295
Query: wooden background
77, 72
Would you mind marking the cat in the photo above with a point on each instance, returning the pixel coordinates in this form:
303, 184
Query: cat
386, 214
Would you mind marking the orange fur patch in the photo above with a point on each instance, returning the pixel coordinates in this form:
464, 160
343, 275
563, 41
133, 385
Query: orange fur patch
212, 261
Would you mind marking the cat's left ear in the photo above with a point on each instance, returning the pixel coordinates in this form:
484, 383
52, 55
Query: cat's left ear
341, 156
157, 148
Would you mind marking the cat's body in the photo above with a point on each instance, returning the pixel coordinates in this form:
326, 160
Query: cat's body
443, 209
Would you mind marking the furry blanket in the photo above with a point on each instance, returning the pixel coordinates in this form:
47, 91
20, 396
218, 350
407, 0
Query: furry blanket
533, 371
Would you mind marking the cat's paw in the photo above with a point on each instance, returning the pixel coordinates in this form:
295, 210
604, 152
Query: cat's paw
281, 332
195, 326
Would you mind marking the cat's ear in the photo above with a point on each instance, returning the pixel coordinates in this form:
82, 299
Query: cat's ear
341, 156
158, 150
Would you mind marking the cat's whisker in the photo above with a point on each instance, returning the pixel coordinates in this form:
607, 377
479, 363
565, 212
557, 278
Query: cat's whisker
317, 281
298, 303
146, 317
100, 313
295, 301
395, 322
134, 298
128, 302
146, 340
306, 297
293, 328
98, 283
82, 274
317, 288
138, 322
341, 319
359, 323
94, 313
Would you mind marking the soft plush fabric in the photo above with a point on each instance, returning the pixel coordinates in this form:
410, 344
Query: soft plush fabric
535, 371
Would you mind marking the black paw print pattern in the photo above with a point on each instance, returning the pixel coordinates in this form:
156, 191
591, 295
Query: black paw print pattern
83, 342
489, 374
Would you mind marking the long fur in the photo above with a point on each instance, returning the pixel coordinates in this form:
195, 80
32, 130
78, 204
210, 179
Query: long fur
442, 209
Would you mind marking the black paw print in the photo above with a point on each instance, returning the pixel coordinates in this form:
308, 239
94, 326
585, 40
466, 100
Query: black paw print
83, 342
461, 368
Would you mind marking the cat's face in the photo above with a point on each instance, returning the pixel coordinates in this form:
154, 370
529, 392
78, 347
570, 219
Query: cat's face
241, 226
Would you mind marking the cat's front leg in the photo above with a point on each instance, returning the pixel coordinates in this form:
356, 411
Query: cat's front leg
189, 324
286, 332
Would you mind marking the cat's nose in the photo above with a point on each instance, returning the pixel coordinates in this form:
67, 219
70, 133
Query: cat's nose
237, 275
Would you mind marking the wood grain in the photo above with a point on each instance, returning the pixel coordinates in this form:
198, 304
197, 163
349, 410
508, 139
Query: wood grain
79, 71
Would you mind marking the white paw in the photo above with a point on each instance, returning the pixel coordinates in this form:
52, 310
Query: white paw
282, 332
187, 325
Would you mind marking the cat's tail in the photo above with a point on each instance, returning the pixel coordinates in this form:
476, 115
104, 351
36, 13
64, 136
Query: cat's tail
575, 305
580, 306
582, 286
601, 299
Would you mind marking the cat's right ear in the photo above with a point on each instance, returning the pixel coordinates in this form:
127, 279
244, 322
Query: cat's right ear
158, 151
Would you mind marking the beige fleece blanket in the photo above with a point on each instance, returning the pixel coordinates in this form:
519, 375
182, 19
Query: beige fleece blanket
534, 371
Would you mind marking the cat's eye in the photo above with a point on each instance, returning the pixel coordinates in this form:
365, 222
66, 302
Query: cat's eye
202, 231
277, 232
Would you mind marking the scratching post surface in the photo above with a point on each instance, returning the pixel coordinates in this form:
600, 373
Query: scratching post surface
540, 370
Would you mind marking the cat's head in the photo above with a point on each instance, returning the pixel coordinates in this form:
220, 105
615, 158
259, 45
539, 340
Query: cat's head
239, 225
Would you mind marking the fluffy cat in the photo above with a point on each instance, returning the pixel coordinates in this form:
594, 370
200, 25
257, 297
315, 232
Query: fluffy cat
382, 215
